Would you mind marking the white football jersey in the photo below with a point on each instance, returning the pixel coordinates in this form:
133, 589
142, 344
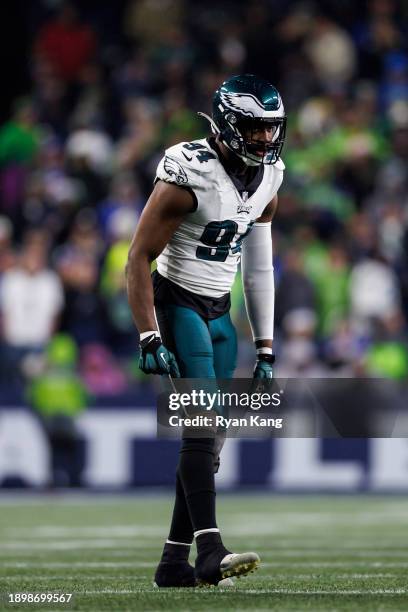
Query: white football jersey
204, 252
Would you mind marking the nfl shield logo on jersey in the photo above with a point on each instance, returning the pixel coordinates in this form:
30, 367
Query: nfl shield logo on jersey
244, 206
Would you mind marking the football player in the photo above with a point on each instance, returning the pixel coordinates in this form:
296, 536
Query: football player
212, 203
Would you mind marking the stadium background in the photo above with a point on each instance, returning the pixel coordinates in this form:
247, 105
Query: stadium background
93, 94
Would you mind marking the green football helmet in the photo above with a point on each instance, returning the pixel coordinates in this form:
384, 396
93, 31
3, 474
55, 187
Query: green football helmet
244, 107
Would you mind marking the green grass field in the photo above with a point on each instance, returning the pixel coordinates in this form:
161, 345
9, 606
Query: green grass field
318, 553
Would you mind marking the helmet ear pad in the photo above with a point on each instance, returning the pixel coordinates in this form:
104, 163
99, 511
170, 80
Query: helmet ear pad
233, 139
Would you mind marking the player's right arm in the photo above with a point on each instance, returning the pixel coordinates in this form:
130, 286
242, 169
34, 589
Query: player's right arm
165, 210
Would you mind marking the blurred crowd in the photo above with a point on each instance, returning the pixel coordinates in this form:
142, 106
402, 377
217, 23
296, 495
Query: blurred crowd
111, 85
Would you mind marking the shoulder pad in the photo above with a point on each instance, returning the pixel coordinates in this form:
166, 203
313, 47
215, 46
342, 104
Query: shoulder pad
172, 171
196, 154
185, 163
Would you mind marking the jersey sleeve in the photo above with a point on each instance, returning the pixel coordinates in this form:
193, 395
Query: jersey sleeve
180, 168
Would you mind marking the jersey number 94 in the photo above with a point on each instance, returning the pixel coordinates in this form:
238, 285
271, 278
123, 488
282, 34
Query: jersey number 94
219, 236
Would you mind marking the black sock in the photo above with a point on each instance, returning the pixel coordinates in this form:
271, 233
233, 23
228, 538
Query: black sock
181, 529
196, 470
207, 542
173, 553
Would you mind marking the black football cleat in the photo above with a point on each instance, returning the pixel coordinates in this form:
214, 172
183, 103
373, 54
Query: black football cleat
176, 574
213, 567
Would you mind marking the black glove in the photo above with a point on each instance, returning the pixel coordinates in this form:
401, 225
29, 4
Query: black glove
263, 366
155, 358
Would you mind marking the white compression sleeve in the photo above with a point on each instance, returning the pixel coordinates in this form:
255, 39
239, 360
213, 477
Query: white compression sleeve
258, 281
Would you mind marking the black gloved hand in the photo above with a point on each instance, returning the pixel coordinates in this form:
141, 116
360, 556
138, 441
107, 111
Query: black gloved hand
155, 358
263, 366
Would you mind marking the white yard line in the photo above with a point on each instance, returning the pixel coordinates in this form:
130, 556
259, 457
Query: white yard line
329, 576
346, 564
136, 564
76, 545
86, 578
243, 592
130, 553
326, 591
22, 546
140, 578
233, 528
78, 564
296, 529
59, 531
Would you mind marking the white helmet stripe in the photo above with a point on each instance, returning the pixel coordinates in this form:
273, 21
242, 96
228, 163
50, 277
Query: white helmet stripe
276, 114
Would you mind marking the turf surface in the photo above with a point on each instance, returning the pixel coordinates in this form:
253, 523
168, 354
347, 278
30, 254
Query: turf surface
318, 553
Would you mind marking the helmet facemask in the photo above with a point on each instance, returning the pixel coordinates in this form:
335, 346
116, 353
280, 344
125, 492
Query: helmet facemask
259, 141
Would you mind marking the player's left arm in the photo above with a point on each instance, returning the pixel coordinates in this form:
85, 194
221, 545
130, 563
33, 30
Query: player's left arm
259, 288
